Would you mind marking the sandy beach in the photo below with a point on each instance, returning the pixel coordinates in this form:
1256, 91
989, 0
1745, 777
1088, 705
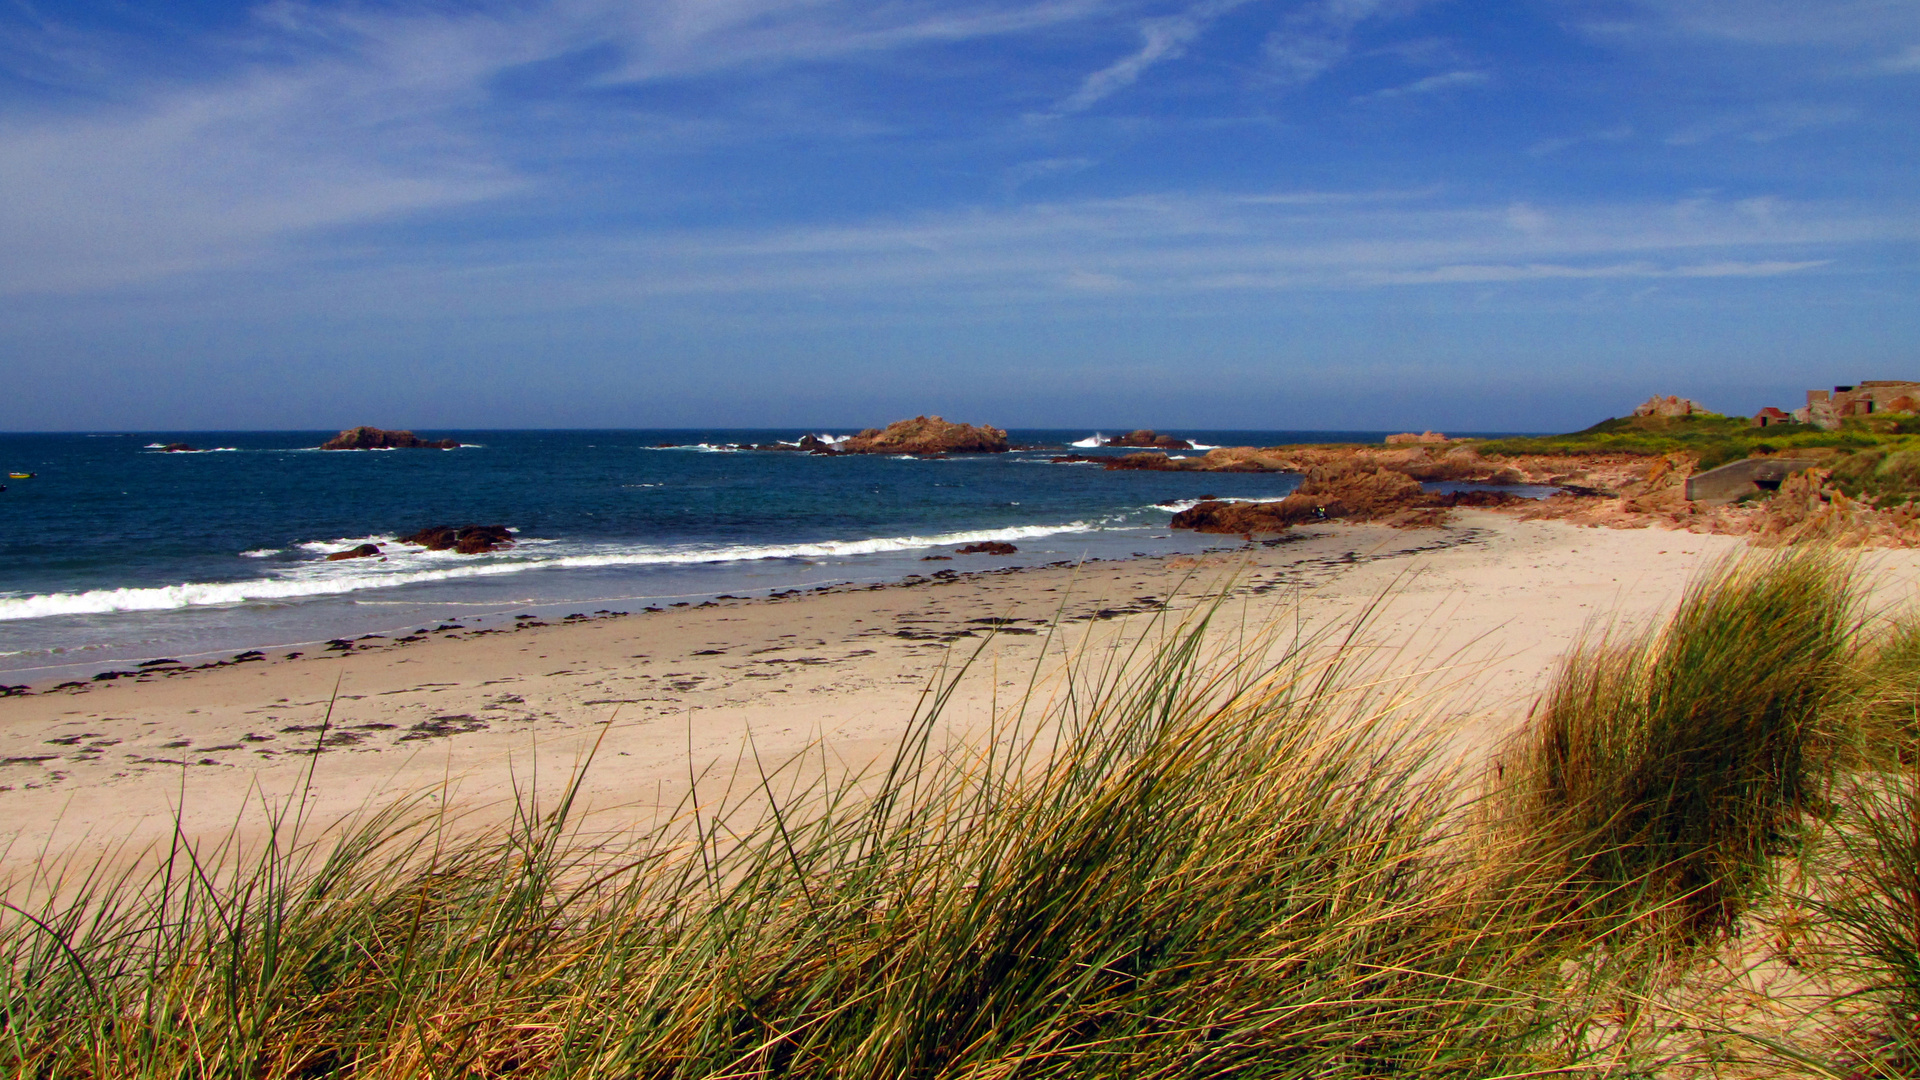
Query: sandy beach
1485, 606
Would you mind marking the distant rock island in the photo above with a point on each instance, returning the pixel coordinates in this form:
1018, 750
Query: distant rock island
928, 435
1149, 439
373, 438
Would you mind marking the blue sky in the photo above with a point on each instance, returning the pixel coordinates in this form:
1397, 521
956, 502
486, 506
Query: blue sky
1495, 215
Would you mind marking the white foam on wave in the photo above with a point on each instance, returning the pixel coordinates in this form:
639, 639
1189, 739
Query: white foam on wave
328, 547
1203, 446
260, 553
1094, 440
319, 578
1176, 505
703, 448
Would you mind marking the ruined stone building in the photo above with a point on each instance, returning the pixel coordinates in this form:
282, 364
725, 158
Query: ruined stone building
1826, 408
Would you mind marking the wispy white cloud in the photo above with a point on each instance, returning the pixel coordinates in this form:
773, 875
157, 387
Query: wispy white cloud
1488, 274
1549, 147
1141, 251
1319, 36
1161, 39
1904, 62
1026, 172
1765, 125
317, 117
682, 37
1787, 22
1432, 84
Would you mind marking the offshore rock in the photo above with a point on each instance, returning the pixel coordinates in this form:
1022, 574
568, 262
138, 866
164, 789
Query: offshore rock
987, 547
464, 539
928, 435
179, 448
364, 551
1147, 437
373, 438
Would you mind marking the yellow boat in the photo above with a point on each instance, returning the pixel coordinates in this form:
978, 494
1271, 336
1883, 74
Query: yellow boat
19, 476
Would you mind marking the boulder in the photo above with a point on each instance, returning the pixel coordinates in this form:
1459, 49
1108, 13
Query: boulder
1409, 437
463, 539
1149, 438
179, 448
373, 438
364, 551
928, 435
987, 547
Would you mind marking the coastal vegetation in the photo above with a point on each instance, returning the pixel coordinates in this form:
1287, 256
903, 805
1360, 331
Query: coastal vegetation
1868, 455
1222, 853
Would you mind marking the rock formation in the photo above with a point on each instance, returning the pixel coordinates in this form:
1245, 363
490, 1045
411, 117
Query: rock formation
928, 435
373, 438
364, 551
987, 547
1353, 491
464, 539
1669, 406
1149, 438
179, 448
1409, 437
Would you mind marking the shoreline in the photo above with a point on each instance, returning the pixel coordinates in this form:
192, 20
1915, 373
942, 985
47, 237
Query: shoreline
1481, 610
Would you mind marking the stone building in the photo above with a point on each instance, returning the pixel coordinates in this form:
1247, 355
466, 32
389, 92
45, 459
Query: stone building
1669, 405
1826, 408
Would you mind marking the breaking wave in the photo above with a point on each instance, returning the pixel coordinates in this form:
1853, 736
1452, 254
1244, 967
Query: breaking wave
407, 566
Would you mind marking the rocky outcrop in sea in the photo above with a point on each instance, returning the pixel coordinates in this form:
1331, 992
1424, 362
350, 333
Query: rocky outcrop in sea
928, 435
1149, 439
373, 438
462, 539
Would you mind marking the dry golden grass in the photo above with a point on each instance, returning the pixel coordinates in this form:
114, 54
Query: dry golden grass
1186, 862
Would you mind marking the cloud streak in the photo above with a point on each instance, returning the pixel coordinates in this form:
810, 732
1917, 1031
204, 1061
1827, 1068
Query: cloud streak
1161, 40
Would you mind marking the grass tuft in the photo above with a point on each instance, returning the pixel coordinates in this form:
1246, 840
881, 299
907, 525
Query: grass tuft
1668, 765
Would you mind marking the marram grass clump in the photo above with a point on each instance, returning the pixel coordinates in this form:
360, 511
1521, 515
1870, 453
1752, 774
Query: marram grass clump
1184, 863
1667, 766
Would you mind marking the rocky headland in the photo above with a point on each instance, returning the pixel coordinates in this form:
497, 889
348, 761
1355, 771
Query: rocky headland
1595, 488
373, 438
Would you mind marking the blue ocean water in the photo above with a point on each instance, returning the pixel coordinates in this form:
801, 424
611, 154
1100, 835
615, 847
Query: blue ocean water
115, 551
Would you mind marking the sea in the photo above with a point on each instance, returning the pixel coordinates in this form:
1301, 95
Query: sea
114, 551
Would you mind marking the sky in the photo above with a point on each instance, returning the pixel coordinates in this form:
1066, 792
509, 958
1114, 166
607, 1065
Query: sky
1486, 215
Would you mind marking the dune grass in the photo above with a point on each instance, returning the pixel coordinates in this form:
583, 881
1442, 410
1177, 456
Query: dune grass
1670, 764
1189, 859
